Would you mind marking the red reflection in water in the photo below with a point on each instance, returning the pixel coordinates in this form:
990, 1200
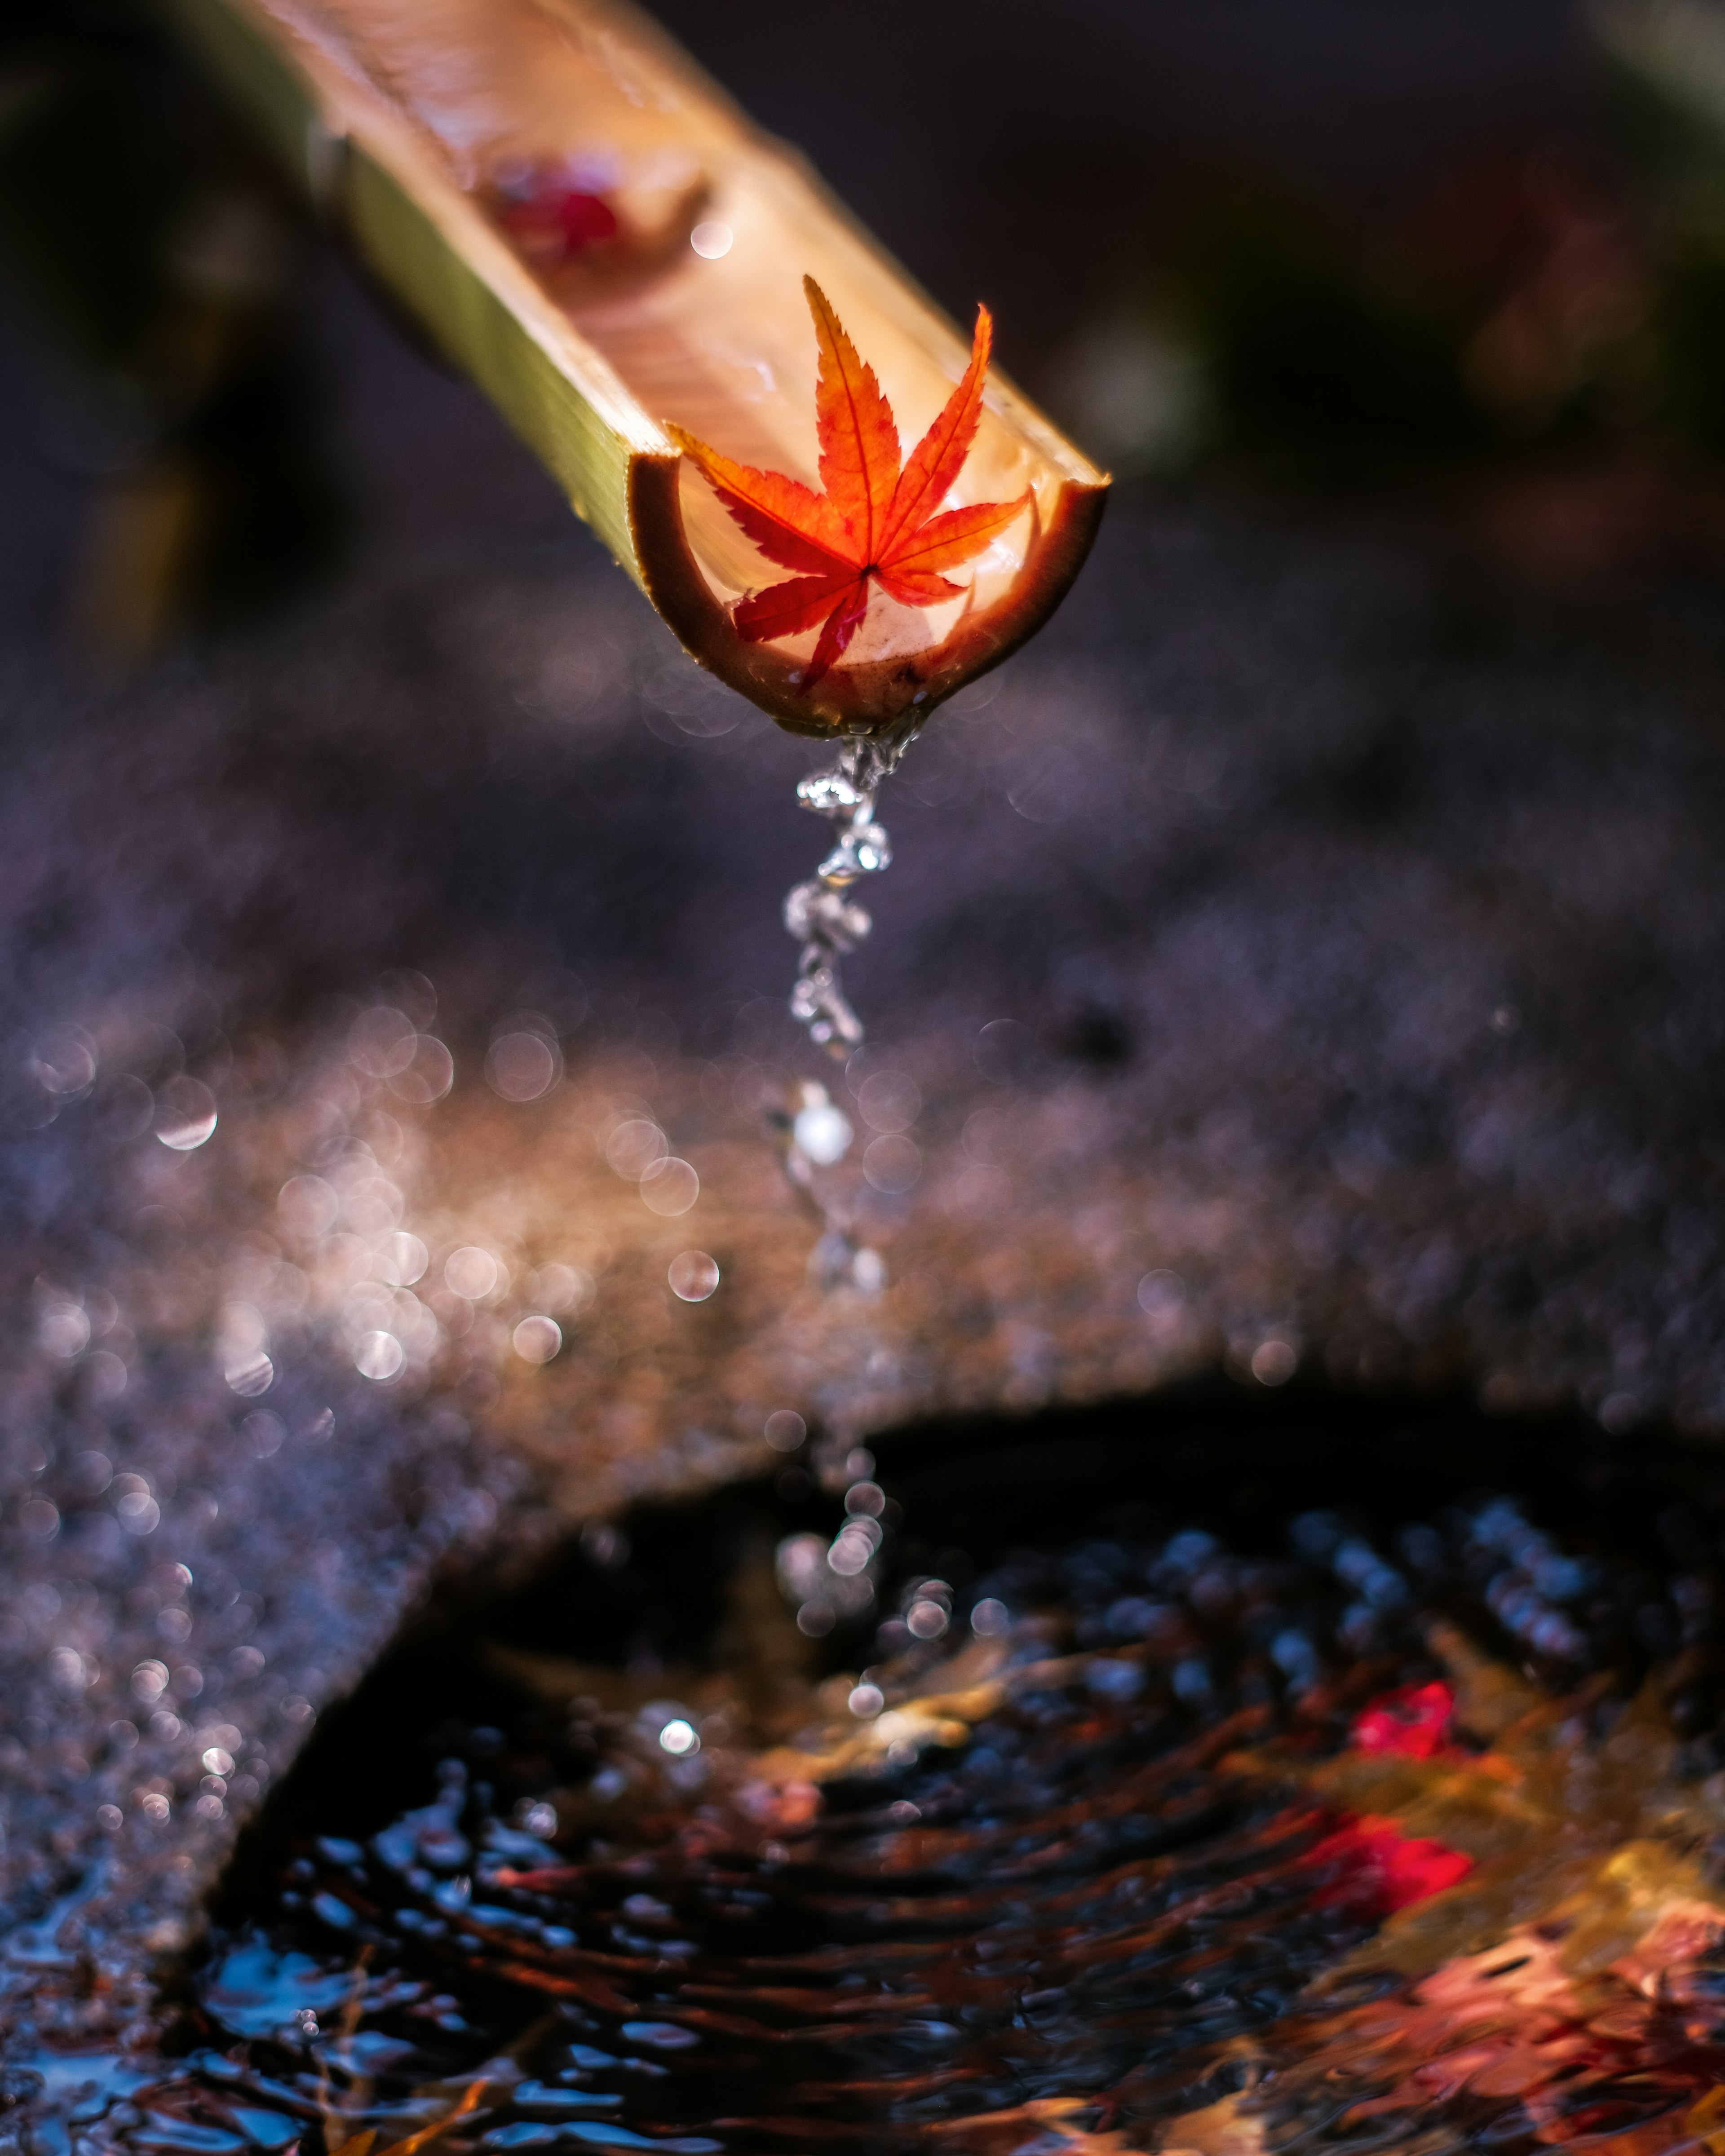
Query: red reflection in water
559, 222
1415, 1721
1378, 1869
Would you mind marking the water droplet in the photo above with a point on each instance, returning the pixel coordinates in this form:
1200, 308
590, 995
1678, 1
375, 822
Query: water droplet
853, 1547
693, 1275
65, 1061
1160, 1291
523, 1066
62, 1329
472, 1273
430, 1075
308, 1205
378, 1356
381, 1041
562, 1288
124, 1108
538, 1339
669, 1187
1273, 1362
867, 1701
633, 1146
892, 1165
68, 1668
1049, 792
185, 1114
138, 1513
265, 1432
1003, 1051
711, 239
254, 1374
890, 1101
821, 1129
105, 1376
411, 992
406, 1258
785, 1429
605, 1544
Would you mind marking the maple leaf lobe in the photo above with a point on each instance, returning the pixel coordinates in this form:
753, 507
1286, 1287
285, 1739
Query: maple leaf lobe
878, 519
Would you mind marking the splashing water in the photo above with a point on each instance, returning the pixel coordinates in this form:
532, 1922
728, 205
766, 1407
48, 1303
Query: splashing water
814, 1134
821, 913
1113, 1845
829, 924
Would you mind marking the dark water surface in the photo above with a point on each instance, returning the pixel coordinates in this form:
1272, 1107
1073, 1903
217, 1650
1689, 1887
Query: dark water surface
496, 1904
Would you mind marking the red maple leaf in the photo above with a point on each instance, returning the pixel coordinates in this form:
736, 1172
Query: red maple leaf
879, 521
1376, 1868
1414, 1722
558, 222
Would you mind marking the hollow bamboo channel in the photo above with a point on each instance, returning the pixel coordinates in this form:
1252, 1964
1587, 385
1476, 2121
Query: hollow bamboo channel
448, 137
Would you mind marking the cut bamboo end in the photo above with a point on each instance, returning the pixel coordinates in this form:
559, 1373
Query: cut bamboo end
591, 232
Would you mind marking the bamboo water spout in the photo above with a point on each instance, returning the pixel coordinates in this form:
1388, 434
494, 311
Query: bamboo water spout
593, 233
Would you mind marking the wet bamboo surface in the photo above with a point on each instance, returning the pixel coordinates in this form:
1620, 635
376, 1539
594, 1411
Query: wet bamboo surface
437, 137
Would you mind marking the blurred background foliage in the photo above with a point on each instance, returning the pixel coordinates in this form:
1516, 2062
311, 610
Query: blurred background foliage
163, 265
1469, 263
1548, 298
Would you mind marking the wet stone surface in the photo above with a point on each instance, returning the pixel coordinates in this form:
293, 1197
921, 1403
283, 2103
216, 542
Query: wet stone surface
1304, 960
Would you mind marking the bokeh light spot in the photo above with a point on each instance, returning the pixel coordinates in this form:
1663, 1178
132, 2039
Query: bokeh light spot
538, 1339
378, 1356
785, 1429
693, 1275
523, 1066
185, 1114
669, 1187
471, 1272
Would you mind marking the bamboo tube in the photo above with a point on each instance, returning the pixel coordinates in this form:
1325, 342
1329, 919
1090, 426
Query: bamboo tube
459, 142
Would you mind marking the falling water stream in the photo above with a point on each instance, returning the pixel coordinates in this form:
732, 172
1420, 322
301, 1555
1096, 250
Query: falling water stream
824, 915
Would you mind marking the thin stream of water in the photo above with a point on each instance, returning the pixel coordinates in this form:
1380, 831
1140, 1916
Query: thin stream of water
823, 915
